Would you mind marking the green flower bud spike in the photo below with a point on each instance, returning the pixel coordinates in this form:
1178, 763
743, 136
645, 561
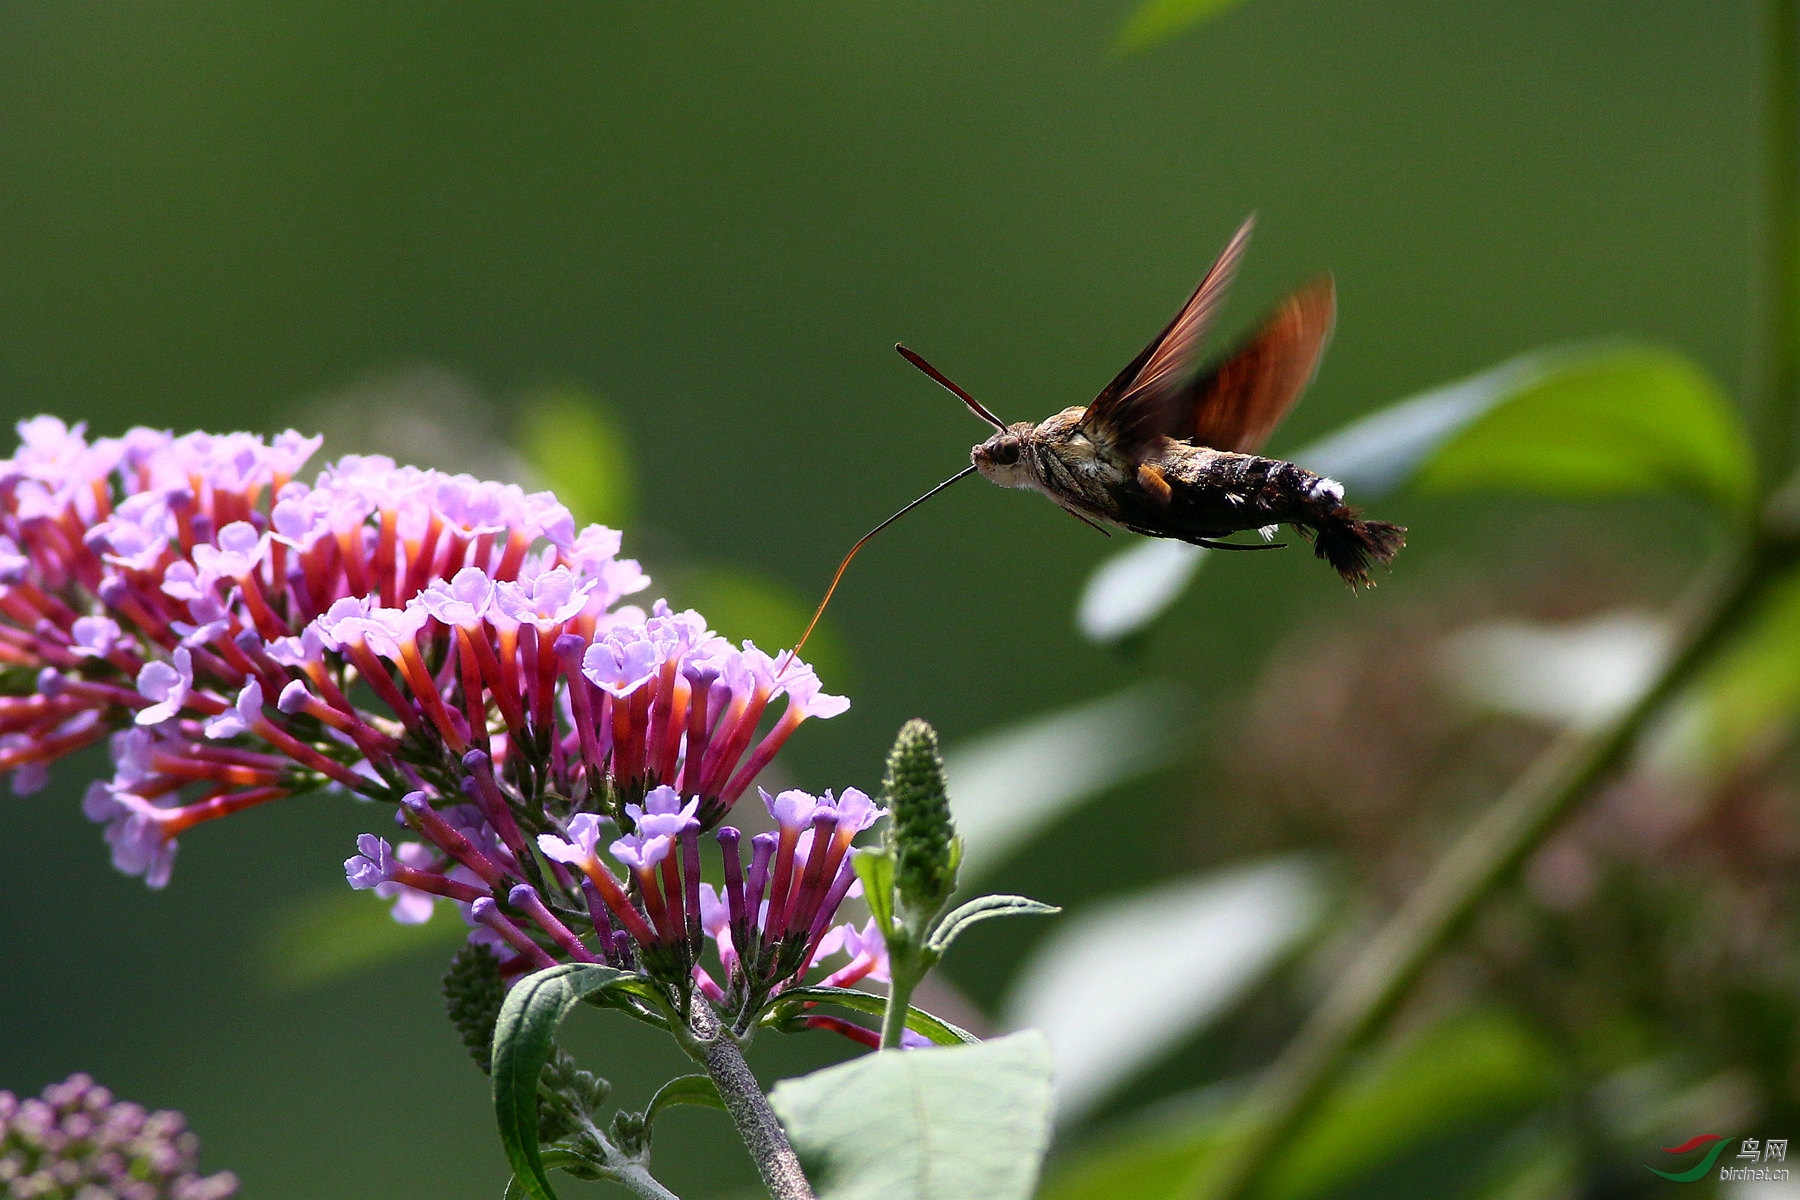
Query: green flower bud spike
912, 877
922, 835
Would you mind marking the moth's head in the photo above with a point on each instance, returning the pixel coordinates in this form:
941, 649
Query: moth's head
1005, 458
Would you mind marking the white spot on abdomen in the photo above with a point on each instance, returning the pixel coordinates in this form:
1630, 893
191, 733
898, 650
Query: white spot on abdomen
1327, 489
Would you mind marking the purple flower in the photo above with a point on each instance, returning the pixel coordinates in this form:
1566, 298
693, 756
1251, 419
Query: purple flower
463, 600
166, 685
242, 716
662, 813
867, 951
541, 515
135, 829
239, 552
550, 599
581, 846
806, 695
372, 865
374, 868
212, 618
297, 651
792, 810
95, 637
855, 811
77, 1140
642, 853
387, 629
621, 664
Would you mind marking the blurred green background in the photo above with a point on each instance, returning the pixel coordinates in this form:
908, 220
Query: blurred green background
711, 222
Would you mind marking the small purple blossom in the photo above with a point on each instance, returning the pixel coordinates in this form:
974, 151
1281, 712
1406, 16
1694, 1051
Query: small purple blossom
166, 686
242, 716
580, 847
95, 637
462, 601
642, 853
663, 814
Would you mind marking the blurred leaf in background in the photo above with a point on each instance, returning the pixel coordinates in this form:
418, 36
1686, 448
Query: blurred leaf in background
324, 937
1434, 1116
1578, 422
580, 449
1134, 976
1010, 784
1157, 21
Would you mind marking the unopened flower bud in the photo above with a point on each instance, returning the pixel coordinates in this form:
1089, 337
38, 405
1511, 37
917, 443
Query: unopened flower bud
923, 834
473, 992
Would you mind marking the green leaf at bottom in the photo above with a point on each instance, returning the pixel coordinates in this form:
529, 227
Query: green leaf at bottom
945, 1123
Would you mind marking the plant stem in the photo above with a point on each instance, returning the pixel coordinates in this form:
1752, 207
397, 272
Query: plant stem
903, 977
1484, 858
1779, 352
637, 1178
714, 1048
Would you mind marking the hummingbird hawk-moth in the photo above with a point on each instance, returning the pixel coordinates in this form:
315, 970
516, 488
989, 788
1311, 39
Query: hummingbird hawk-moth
1170, 451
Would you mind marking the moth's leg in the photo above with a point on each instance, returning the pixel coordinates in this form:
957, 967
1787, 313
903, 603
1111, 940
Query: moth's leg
1212, 545
1102, 530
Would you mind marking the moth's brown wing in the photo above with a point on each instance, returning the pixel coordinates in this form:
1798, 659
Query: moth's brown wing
1145, 401
1238, 403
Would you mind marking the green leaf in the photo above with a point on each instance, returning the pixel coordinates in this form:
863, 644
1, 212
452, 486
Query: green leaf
1440, 1108
918, 1020
1157, 21
980, 909
1132, 587
1009, 785
686, 1089
329, 935
1576, 422
523, 1039
945, 1123
876, 870
580, 448
1233, 925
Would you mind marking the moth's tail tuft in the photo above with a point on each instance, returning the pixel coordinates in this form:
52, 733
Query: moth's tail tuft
1351, 545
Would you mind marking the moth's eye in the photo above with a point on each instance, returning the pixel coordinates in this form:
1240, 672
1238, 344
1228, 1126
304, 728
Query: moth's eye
1004, 451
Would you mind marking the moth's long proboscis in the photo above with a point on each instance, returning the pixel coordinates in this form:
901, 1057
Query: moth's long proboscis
845, 565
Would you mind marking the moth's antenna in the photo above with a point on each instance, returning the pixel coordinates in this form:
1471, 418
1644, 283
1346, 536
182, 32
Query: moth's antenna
975, 406
820, 611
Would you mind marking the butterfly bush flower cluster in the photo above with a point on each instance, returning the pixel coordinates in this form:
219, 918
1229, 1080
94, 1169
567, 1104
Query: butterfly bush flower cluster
454, 647
77, 1141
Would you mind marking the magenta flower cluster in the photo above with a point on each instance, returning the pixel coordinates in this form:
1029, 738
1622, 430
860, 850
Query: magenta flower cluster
455, 647
76, 1141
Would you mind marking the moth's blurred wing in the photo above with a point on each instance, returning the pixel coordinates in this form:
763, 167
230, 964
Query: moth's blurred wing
1238, 403
1146, 400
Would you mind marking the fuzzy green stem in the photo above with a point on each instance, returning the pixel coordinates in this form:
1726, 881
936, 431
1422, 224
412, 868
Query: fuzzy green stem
713, 1047
635, 1177
1481, 861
